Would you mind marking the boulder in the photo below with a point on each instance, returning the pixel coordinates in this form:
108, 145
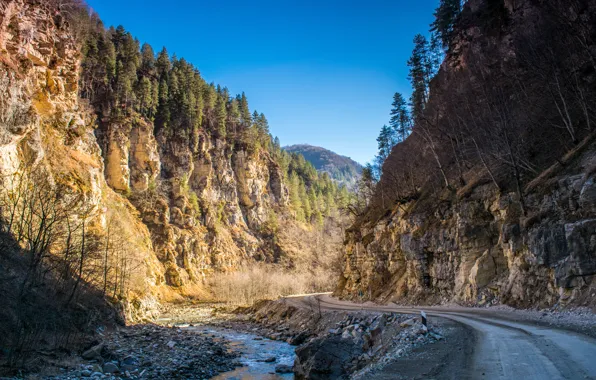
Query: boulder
282, 368
110, 368
297, 340
325, 358
93, 353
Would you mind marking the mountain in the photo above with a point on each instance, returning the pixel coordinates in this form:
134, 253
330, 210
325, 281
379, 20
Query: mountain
492, 198
126, 179
341, 169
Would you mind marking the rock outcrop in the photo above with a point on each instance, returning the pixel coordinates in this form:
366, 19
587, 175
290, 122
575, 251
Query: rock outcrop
45, 128
474, 244
204, 204
480, 249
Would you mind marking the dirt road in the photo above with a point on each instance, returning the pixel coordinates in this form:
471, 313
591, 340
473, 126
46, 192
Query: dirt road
504, 348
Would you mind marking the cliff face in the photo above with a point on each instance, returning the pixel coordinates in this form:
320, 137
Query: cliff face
205, 205
475, 244
480, 249
182, 209
45, 130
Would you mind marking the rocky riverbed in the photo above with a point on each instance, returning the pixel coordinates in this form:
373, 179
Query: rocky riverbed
271, 340
154, 352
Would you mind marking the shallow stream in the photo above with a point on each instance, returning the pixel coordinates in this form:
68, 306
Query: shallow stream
254, 351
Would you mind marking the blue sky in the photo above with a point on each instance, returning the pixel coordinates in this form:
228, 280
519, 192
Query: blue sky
322, 71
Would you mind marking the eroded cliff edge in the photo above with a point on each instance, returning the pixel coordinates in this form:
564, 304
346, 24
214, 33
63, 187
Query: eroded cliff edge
480, 239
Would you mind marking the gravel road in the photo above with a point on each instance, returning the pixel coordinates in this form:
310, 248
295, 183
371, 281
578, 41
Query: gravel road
506, 346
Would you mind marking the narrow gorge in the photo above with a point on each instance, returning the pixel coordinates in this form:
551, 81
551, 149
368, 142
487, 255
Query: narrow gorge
140, 203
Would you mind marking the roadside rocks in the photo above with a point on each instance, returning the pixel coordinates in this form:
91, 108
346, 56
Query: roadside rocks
325, 358
335, 344
356, 342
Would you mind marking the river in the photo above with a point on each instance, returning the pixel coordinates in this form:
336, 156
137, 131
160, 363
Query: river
254, 353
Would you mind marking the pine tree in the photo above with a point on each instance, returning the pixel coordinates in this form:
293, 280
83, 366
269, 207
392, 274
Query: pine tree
221, 114
163, 63
445, 17
209, 98
147, 60
162, 118
422, 69
400, 119
245, 117
263, 131
127, 63
385, 142
306, 206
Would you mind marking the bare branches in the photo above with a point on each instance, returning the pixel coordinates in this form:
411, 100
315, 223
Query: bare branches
505, 118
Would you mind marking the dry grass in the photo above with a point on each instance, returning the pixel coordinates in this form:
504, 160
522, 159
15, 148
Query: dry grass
267, 281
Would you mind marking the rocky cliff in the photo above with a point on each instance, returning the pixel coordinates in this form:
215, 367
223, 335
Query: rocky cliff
182, 207
480, 249
480, 240
46, 130
204, 205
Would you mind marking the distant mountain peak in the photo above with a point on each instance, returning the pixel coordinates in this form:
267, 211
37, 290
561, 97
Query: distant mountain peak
340, 168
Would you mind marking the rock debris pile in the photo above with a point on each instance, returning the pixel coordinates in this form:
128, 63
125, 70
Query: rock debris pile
356, 342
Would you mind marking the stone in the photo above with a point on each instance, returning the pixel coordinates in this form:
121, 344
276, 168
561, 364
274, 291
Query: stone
297, 340
325, 358
283, 368
129, 363
110, 367
93, 353
587, 196
408, 323
171, 344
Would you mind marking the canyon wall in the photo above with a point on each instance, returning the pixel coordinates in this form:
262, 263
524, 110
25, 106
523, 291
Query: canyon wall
472, 242
182, 208
479, 248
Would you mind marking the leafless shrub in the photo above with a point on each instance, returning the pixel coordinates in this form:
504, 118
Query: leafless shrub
57, 259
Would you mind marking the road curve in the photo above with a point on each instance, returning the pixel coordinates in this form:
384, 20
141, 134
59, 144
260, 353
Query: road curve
505, 349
